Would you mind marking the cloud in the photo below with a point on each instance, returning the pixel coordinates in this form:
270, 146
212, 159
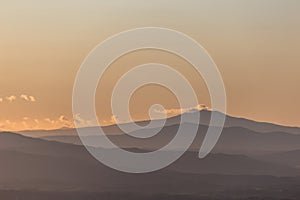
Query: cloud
7, 125
49, 120
65, 121
25, 124
114, 119
179, 111
32, 98
11, 98
24, 97
62, 118
28, 123
28, 98
81, 122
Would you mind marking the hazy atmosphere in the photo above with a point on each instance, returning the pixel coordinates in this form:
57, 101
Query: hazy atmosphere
196, 100
254, 43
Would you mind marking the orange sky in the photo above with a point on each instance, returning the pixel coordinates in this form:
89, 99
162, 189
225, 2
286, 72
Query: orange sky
42, 44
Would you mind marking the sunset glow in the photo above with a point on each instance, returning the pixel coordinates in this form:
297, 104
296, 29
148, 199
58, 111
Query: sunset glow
43, 45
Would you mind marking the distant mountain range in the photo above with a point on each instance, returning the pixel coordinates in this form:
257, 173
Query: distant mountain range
235, 140
28, 163
250, 158
240, 136
205, 116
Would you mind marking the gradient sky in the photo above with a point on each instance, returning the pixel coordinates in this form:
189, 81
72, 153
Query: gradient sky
255, 44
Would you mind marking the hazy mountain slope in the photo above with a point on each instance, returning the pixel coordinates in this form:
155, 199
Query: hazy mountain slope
34, 164
291, 158
230, 164
20, 170
11, 142
191, 187
205, 117
235, 140
264, 127
15, 142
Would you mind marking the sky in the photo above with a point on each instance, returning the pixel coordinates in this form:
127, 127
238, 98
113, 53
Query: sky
255, 45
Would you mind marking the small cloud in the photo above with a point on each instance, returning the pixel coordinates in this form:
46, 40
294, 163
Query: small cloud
113, 119
1, 100
25, 118
49, 120
65, 121
81, 122
8, 125
28, 98
62, 118
32, 98
175, 111
202, 107
26, 125
24, 97
11, 98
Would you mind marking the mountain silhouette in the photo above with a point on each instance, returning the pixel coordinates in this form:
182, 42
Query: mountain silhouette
205, 116
233, 140
34, 162
33, 168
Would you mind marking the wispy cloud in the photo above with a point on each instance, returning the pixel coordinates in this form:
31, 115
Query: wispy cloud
28, 98
11, 98
178, 111
32, 98
65, 121
28, 123
7, 125
24, 97
113, 120
49, 120
81, 122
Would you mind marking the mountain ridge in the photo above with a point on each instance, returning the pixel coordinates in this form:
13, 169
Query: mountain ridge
263, 127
